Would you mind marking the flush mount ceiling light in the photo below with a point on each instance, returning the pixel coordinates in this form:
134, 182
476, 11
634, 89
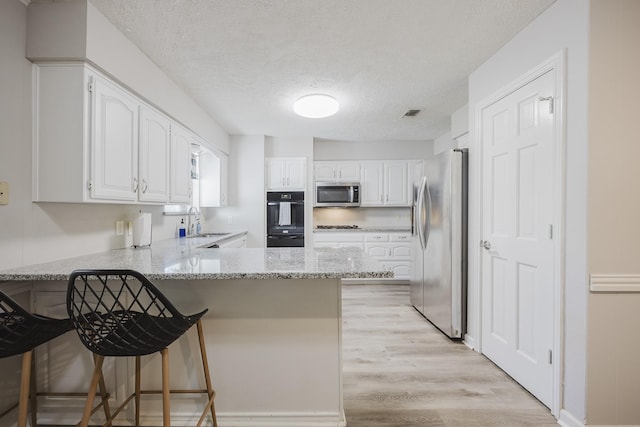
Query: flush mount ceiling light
316, 106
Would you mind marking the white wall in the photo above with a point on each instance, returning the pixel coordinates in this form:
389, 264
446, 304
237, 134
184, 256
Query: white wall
29, 232
613, 372
247, 205
563, 25
372, 150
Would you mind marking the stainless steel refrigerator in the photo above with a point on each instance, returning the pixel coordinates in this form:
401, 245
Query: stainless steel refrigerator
439, 242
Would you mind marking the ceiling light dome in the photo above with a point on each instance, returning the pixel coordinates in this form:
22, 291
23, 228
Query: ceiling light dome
316, 106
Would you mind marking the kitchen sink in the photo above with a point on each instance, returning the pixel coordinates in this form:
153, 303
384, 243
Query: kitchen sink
209, 234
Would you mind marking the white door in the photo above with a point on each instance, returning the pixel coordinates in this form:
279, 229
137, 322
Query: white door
114, 143
154, 156
518, 255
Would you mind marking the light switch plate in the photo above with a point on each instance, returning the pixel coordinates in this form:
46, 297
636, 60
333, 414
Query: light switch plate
4, 193
119, 228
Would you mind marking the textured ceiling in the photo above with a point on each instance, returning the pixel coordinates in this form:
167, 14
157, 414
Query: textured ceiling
247, 61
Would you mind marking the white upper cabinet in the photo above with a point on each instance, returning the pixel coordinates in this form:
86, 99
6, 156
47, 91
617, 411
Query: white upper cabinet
385, 183
153, 162
336, 171
180, 165
286, 173
96, 142
114, 142
213, 178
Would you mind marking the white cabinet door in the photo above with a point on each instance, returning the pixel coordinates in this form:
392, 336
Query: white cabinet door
396, 183
296, 173
372, 184
324, 171
348, 171
153, 164
180, 171
114, 143
276, 174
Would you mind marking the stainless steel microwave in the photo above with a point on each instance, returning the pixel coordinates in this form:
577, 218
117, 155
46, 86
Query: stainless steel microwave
337, 194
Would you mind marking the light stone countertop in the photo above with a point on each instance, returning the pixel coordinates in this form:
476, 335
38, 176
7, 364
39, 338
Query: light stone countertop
188, 259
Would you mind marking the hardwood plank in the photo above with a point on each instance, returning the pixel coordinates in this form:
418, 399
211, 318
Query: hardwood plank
399, 370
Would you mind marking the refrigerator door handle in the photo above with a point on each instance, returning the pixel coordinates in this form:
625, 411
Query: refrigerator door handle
420, 214
427, 227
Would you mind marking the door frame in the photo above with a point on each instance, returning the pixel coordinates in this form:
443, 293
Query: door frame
557, 65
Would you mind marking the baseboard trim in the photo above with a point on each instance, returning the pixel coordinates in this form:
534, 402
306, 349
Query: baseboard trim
568, 420
226, 419
614, 283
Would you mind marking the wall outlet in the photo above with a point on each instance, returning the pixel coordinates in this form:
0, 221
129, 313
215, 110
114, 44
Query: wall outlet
4, 193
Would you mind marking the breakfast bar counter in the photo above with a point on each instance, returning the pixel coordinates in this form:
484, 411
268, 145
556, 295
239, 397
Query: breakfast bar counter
273, 332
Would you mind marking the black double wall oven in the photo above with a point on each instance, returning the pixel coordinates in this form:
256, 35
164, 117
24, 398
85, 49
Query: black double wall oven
285, 219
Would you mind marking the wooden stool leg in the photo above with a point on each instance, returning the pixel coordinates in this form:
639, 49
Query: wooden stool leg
103, 393
23, 405
166, 410
137, 398
33, 397
95, 379
205, 367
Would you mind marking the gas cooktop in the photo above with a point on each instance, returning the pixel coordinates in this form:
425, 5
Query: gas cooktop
338, 227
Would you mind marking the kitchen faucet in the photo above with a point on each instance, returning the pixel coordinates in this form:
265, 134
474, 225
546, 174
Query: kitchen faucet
190, 224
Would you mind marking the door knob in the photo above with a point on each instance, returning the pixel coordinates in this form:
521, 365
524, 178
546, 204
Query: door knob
485, 244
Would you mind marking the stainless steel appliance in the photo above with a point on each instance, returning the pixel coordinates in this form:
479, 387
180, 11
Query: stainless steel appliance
439, 242
285, 219
337, 194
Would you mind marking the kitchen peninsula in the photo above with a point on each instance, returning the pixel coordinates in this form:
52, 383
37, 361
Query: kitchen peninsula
273, 331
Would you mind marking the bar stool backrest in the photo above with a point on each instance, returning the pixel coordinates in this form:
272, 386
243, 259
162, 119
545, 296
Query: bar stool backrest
21, 331
121, 313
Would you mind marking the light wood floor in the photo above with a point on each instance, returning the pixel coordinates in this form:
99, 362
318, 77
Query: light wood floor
401, 371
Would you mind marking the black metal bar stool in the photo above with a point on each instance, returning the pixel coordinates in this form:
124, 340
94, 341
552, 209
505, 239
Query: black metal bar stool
20, 333
121, 313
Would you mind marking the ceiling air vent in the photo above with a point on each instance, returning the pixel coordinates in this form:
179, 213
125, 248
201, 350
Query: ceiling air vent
411, 113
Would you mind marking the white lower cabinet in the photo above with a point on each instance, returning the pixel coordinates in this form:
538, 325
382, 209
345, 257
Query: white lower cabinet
339, 240
392, 249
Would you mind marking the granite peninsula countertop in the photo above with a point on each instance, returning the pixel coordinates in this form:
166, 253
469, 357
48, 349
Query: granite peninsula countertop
190, 259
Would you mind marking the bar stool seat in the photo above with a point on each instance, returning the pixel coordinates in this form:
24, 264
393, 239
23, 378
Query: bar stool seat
121, 313
20, 333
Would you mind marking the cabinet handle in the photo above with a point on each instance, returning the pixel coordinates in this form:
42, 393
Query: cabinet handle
135, 184
145, 187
